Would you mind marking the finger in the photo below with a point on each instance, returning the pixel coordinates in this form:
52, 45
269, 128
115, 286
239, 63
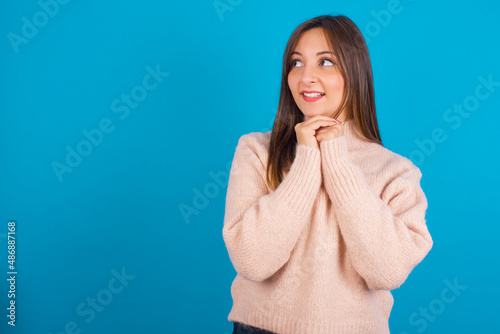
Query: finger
324, 131
321, 123
328, 119
318, 117
327, 128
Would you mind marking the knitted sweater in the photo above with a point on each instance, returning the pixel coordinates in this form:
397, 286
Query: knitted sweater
320, 254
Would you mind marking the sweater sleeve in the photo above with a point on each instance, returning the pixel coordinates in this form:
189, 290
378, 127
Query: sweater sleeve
261, 228
386, 236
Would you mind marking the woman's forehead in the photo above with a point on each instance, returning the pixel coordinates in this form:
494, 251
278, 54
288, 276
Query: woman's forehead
313, 41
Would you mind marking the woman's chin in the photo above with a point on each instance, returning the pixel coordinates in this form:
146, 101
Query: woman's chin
310, 114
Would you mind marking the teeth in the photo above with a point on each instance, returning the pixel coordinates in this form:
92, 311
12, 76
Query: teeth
313, 94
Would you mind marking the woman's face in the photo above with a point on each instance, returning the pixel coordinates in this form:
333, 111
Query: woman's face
315, 79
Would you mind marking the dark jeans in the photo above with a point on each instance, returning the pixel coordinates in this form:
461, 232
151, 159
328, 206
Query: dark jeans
240, 328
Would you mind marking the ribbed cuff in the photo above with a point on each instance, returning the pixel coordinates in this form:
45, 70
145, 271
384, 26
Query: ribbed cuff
347, 179
299, 187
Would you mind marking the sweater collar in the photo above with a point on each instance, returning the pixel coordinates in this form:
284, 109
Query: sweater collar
355, 139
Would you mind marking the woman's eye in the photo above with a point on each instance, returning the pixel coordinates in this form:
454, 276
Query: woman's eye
295, 62
327, 61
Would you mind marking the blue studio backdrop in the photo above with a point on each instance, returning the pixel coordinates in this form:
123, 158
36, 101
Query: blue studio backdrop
118, 125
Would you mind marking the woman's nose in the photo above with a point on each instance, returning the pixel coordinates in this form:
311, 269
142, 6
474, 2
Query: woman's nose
309, 75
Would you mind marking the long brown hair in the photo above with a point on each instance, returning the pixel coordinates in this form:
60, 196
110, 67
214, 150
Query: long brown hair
344, 37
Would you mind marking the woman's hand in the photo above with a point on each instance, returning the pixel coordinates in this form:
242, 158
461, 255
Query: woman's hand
316, 129
333, 131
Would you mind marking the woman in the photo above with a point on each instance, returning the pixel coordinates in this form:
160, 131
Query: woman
321, 220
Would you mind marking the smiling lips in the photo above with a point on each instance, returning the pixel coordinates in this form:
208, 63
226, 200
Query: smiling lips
311, 96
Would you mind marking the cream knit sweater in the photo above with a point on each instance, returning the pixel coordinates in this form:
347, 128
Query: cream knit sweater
320, 254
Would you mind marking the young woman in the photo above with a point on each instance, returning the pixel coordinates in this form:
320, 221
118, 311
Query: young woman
321, 220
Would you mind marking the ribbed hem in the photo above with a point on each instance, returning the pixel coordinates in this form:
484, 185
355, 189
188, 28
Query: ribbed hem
347, 179
285, 325
299, 187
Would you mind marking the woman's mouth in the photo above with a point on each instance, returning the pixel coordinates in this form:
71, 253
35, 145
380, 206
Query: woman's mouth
311, 96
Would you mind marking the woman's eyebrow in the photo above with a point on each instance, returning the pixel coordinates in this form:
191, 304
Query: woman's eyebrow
317, 54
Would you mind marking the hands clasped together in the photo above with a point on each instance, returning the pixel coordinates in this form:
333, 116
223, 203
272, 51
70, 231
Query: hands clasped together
318, 128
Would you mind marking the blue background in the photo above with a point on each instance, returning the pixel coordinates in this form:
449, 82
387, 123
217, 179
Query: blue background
120, 208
